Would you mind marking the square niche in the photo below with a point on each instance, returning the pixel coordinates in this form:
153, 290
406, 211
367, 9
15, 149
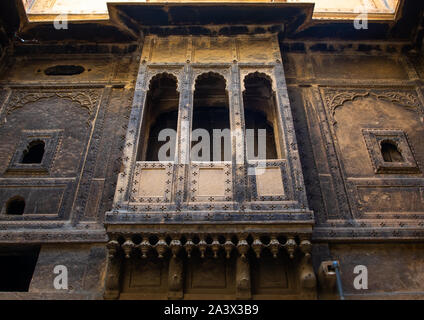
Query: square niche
390, 151
35, 152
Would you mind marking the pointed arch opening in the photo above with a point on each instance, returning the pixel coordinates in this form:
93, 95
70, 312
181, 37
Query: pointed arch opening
261, 118
159, 125
211, 136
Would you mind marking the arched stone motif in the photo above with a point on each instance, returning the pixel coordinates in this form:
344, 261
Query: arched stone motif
87, 99
200, 73
154, 73
258, 85
336, 98
265, 73
161, 76
259, 75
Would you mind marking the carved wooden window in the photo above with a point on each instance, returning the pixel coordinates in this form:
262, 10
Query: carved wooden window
211, 137
159, 127
390, 151
35, 152
260, 118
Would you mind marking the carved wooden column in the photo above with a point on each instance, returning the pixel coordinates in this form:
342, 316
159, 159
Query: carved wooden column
289, 137
183, 135
85, 184
243, 285
113, 271
175, 270
237, 135
243, 281
342, 203
133, 135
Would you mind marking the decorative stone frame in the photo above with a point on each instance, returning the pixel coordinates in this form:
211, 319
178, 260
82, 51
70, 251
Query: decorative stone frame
374, 138
236, 195
10, 187
51, 138
166, 184
260, 167
225, 168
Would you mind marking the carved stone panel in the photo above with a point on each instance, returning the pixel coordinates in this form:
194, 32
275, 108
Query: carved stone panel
212, 50
152, 182
209, 273
40, 200
155, 185
143, 277
270, 275
269, 182
146, 273
211, 182
209, 276
388, 198
381, 199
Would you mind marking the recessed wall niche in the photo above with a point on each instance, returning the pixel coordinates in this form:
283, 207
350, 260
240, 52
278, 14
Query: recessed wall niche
390, 151
15, 206
35, 152
64, 70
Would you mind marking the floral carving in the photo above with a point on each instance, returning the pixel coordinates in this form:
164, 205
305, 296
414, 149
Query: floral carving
203, 72
167, 71
87, 99
406, 99
335, 98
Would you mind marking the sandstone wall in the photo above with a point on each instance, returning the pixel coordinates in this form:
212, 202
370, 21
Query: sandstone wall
83, 119
346, 98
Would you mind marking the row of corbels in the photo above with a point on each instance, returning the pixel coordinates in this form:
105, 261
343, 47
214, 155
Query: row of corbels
176, 245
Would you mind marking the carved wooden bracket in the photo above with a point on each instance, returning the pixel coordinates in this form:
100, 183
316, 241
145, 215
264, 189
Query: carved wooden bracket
214, 244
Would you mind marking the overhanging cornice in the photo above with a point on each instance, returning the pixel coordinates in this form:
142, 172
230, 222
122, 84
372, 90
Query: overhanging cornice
127, 21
